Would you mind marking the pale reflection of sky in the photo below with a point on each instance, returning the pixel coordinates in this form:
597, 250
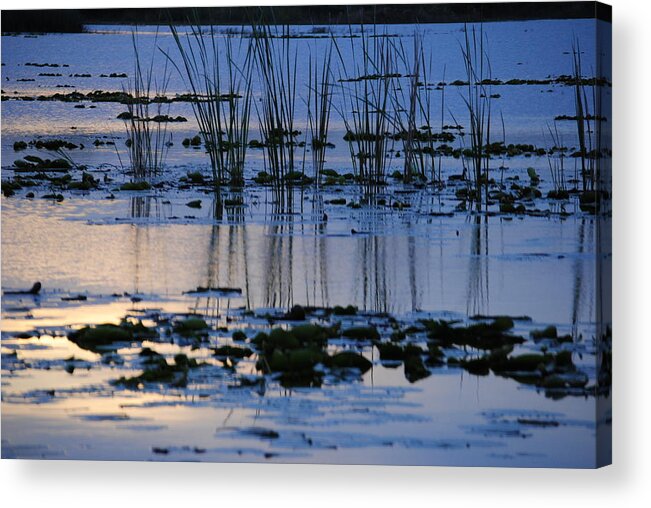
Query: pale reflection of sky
529, 267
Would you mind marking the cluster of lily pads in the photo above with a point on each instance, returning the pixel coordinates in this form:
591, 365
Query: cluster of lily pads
306, 345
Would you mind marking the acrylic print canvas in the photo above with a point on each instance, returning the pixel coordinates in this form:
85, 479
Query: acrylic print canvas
317, 234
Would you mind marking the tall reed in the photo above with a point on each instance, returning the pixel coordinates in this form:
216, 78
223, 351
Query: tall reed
582, 113
147, 140
366, 96
221, 92
439, 178
556, 163
319, 105
276, 62
418, 142
478, 104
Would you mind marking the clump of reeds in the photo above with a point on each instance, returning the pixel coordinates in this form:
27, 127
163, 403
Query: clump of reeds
503, 164
555, 160
439, 178
319, 105
221, 92
583, 117
147, 142
365, 101
478, 103
418, 142
276, 63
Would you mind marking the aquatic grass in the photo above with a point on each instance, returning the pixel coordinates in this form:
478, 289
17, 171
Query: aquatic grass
582, 113
147, 142
221, 96
502, 166
418, 143
276, 64
319, 105
478, 103
439, 178
366, 90
556, 163
405, 118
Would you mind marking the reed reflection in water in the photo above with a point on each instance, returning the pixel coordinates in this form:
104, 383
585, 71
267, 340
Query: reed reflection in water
294, 259
478, 267
392, 262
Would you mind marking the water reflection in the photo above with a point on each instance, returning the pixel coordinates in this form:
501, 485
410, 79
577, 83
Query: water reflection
317, 290
225, 258
289, 261
393, 261
140, 207
578, 279
478, 267
278, 255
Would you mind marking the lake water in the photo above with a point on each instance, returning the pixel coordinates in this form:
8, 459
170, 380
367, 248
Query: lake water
138, 255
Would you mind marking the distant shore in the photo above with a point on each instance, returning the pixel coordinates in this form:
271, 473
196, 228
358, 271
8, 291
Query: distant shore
74, 20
